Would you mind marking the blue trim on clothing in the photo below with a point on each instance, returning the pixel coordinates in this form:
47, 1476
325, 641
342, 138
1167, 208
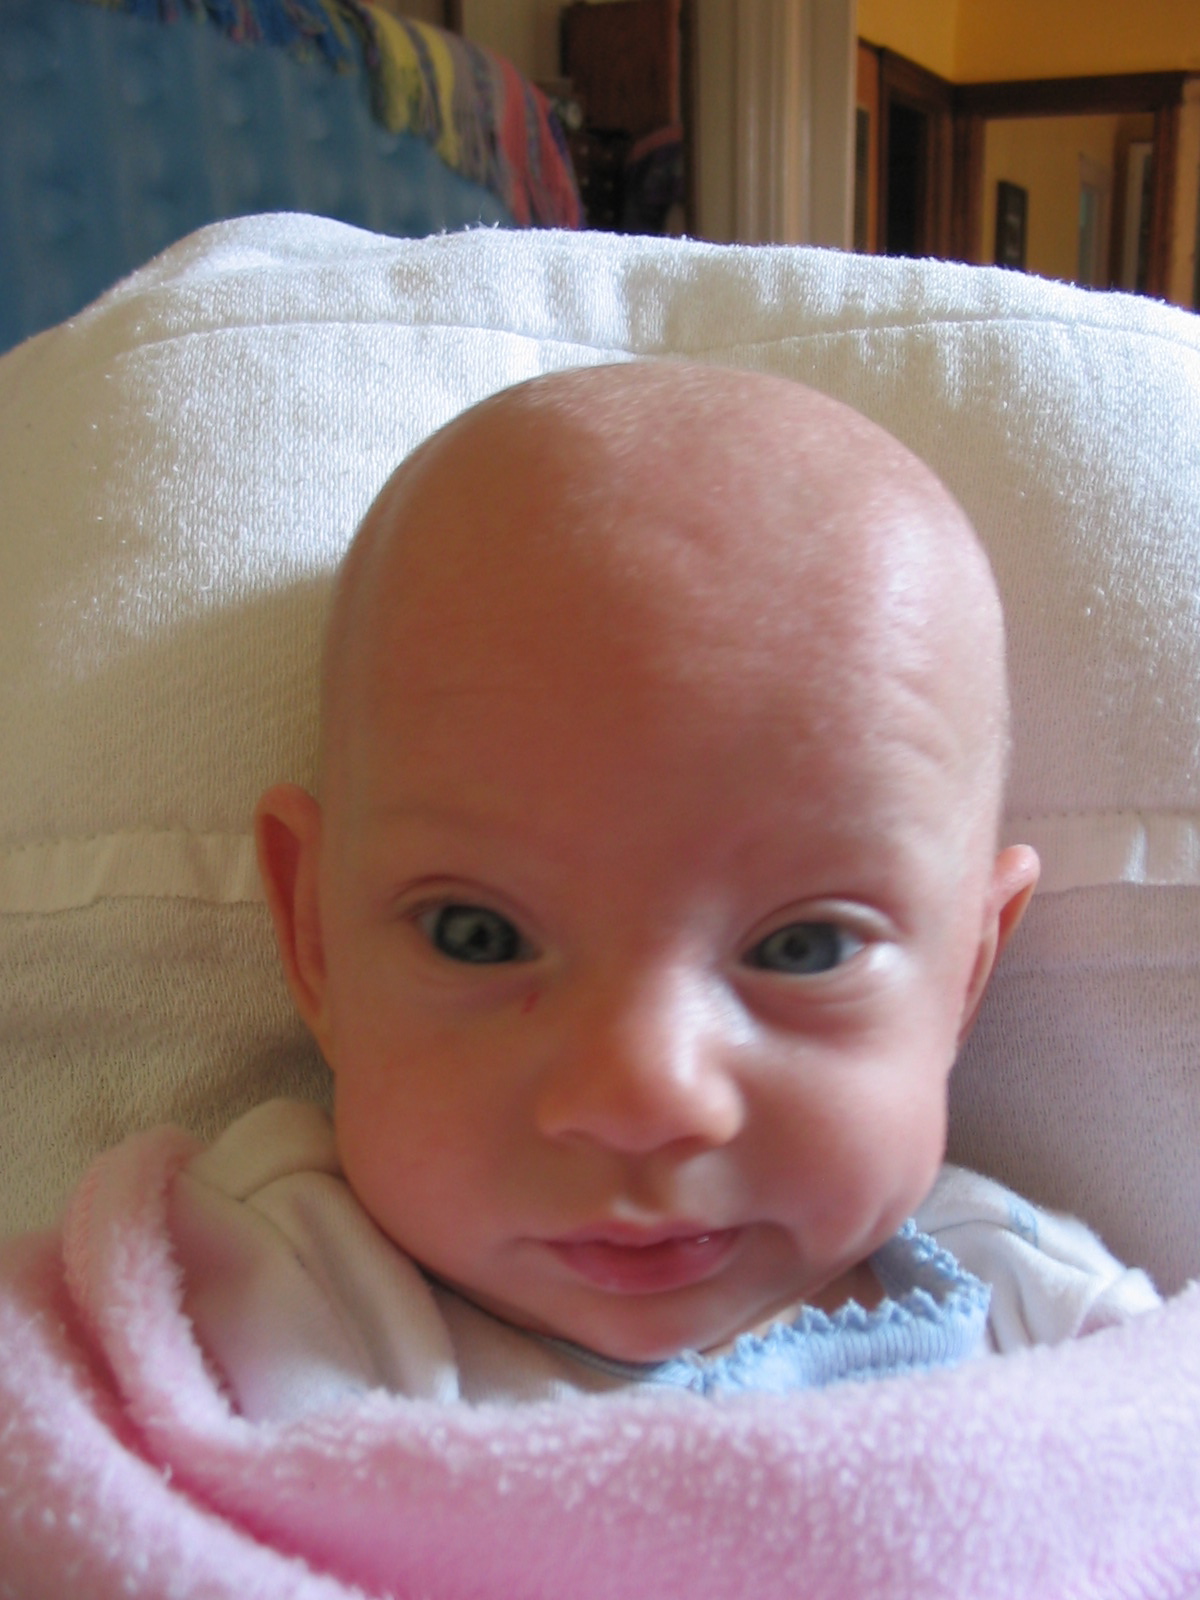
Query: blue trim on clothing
935, 1315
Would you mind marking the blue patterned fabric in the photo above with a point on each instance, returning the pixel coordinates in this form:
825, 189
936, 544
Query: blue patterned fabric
306, 25
486, 120
119, 137
935, 1315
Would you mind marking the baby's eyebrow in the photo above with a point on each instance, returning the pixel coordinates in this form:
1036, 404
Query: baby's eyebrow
442, 815
453, 821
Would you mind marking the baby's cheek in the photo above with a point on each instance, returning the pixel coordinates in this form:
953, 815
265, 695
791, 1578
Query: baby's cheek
877, 1141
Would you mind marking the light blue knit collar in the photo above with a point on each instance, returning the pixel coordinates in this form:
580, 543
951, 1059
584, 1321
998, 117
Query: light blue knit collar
934, 1315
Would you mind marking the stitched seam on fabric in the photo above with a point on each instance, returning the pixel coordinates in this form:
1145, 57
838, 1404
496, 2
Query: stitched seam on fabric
1088, 849
1107, 811
995, 319
68, 874
7, 852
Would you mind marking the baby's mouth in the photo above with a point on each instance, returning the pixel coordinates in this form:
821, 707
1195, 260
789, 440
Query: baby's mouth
623, 1261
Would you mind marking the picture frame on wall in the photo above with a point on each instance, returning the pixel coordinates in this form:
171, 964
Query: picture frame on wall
1012, 208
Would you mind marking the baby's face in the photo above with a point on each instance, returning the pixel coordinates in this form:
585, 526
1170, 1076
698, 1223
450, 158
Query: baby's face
648, 915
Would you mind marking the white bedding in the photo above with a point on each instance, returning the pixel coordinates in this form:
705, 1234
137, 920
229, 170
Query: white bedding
183, 464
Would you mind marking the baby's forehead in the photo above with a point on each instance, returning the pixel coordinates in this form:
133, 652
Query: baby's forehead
671, 523
631, 466
647, 419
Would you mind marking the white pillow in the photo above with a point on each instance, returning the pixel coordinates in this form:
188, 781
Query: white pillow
183, 464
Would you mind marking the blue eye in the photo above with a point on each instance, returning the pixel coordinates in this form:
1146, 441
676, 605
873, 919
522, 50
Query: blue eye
801, 949
473, 934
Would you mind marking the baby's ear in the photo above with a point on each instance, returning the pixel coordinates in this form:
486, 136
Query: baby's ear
1014, 878
287, 833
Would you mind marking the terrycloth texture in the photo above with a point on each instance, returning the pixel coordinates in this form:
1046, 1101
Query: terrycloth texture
181, 467
127, 1475
485, 119
183, 464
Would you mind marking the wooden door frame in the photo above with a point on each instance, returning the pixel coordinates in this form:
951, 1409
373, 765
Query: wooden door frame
902, 82
976, 104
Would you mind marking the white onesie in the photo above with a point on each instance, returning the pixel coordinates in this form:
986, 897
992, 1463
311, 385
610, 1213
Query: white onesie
299, 1301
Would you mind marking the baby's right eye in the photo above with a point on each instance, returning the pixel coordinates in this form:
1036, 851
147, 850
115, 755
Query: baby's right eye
474, 934
805, 949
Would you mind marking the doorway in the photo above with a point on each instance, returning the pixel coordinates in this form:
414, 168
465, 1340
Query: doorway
912, 113
905, 223
1154, 106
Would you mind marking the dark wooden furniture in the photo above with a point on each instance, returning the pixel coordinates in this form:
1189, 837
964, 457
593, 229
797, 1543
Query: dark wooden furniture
629, 66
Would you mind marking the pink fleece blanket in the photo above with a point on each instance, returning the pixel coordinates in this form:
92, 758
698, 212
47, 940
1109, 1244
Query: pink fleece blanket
1072, 1472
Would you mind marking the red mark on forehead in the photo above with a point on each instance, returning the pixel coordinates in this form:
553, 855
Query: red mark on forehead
530, 1000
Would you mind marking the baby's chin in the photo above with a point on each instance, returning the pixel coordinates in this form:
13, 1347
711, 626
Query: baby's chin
646, 1341
640, 1330
645, 1348
644, 1331
644, 1305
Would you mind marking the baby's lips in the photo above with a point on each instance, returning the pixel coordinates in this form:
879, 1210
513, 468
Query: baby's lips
626, 1261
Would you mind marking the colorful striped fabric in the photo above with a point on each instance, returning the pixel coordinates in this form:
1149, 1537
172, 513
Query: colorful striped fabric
484, 118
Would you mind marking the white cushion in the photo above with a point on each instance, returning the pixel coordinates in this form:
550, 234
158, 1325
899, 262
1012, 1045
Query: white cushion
183, 464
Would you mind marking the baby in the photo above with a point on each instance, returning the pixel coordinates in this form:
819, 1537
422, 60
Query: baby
650, 889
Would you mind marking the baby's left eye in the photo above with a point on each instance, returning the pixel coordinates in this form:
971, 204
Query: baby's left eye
476, 935
802, 949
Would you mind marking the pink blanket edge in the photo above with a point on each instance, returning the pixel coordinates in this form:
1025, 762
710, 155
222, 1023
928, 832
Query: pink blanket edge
123, 1472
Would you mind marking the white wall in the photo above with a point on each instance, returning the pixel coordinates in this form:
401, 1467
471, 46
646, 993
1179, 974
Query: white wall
526, 31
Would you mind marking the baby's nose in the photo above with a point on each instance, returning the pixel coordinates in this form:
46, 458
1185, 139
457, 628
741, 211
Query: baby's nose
639, 1069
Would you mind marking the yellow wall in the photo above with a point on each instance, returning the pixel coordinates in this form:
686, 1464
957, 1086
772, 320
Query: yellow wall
425, 11
965, 40
1042, 155
1069, 38
526, 31
922, 30
971, 41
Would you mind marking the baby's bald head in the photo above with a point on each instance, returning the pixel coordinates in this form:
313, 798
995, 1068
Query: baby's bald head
730, 531
653, 877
